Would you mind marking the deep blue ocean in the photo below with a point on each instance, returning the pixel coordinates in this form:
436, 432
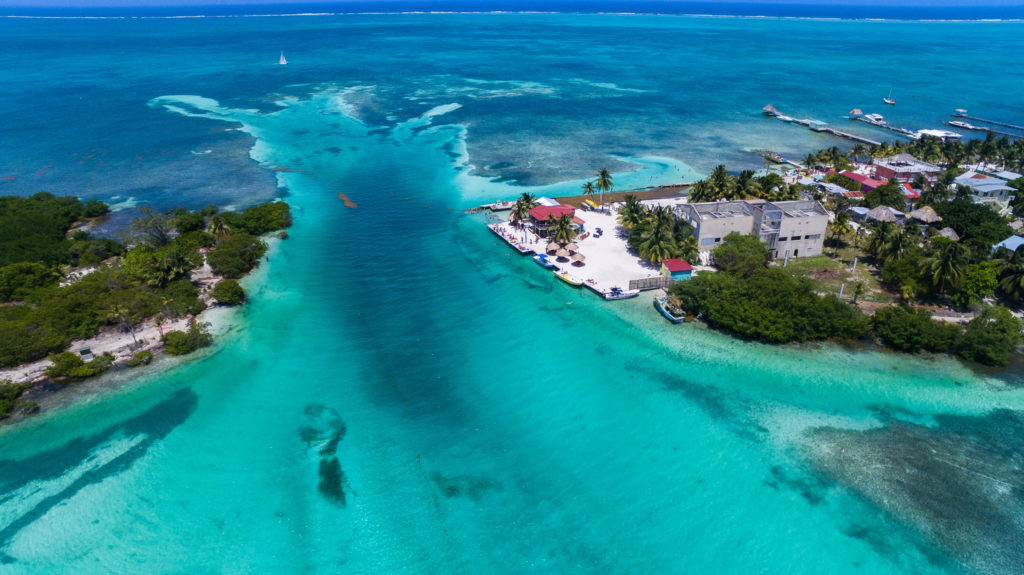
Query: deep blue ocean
473, 414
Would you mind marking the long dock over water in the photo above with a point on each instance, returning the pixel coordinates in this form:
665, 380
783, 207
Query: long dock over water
817, 126
993, 122
968, 126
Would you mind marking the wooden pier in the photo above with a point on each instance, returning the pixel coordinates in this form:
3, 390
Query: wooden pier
817, 126
993, 122
886, 126
516, 245
968, 126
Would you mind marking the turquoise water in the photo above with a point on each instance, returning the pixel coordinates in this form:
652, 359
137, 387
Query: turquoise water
405, 394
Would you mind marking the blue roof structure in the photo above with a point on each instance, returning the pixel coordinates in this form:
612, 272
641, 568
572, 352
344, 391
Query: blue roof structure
1011, 243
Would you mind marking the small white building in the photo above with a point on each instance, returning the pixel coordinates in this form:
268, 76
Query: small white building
986, 189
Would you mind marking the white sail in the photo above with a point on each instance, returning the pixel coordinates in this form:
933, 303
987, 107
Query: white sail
282, 61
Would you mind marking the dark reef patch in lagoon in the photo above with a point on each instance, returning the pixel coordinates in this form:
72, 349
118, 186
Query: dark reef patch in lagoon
332, 481
961, 484
470, 486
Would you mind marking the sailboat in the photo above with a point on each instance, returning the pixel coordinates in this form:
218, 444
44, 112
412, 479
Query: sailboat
887, 100
281, 60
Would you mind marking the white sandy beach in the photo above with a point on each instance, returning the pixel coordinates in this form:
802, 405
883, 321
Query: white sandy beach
610, 262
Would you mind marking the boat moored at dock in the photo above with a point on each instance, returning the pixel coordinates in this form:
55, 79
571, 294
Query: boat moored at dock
542, 260
568, 278
670, 312
615, 293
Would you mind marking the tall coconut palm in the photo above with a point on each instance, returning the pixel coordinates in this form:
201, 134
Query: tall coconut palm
631, 212
701, 192
811, 161
588, 189
720, 181
604, 182
561, 228
896, 246
657, 244
879, 237
521, 209
839, 227
1011, 275
947, 266
218, 228
686, 248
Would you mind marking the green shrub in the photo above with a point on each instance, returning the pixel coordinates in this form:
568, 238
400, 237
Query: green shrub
183, 343
194, 240
9, 394
912, 330
257, 220
770, 305
141, 358
69, 365
228, 292
741, 255
94, 209
991, 337
189, 222
19, 280
236, 254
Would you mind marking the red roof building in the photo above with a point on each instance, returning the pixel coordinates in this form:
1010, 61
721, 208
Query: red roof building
676, 269
910, 192
676, 265
542, 213
867, 183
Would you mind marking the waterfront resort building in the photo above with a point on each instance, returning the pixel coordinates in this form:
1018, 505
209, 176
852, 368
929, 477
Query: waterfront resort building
789, 229
542, 217
986, 189
866, 183
676, 269
903, 168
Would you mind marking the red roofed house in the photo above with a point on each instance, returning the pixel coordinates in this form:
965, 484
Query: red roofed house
679, 270
867, 183
542, 216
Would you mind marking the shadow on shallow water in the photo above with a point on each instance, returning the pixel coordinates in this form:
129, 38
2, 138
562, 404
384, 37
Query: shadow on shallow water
960, 484
24, 480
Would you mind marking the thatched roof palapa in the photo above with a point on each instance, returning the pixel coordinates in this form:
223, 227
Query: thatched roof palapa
881, 214
926, 214
949, 233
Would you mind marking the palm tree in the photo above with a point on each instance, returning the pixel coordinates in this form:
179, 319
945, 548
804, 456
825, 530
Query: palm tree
632, 212
656, 244
521, 209
604, 182
701, 192
879, 237
686, 248
811, 161
840, 227
896, 246
858, 152
218, 228
561, 228
1011, 276
948, 266
589, 189
719, 181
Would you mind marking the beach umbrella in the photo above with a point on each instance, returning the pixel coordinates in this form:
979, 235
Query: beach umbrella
562, 253
553, 247
856, 112
572, 247
577, 257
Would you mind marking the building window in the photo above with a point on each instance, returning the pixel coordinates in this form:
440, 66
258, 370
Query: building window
718, 240
795, 238
813, 237
707, 241
783, 239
